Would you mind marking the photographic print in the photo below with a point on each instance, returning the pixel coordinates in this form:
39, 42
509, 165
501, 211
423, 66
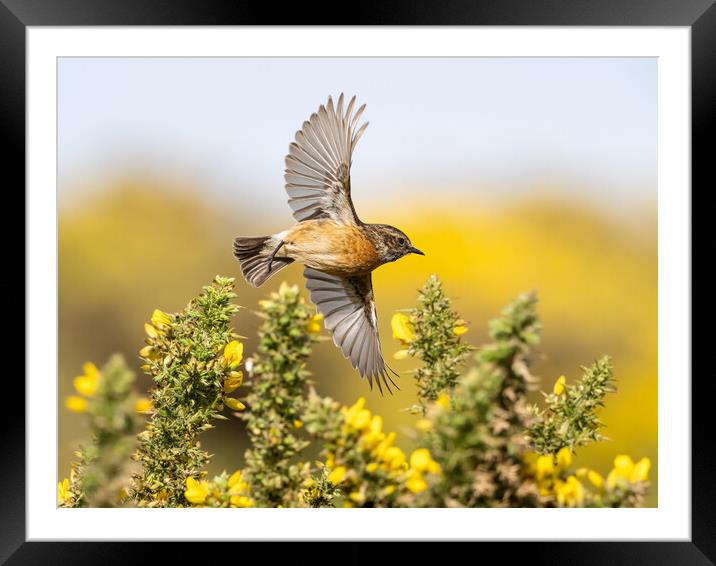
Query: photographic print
346, 282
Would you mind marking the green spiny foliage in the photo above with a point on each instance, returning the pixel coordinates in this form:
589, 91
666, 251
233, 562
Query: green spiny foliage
102, 470
278, 399
475, 432
320, 491
323, 419
570, 418
477, 435
184, 357
436, 342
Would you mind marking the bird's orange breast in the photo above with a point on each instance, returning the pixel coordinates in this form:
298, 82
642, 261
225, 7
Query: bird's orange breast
340, 249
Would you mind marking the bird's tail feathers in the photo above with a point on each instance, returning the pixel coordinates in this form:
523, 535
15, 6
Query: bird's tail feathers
259, 258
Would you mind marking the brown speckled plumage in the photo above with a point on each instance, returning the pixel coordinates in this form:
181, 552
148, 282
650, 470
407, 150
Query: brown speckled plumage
339, 251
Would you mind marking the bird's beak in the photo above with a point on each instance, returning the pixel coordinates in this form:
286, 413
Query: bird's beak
416, 251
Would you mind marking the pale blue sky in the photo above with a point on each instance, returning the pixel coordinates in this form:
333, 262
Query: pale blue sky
435, 123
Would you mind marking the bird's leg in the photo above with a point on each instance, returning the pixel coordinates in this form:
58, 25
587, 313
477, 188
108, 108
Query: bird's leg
273, 254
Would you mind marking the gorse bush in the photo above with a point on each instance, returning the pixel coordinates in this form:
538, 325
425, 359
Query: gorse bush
479, 442
478, 432
278, 399
193, 359
431, 332
114, 415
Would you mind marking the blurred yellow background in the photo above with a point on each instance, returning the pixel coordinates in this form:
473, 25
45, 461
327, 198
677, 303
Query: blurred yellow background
511, 174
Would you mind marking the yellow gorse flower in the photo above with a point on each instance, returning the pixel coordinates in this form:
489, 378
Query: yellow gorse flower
596, 479
376, 424
357, 406
460, 330
357, 418
559, 385
235, 478
90, 370
544, 466
147, 352
564, 458
421, 461
357, 497
624, 466
314, 323
569, 493
150, 330
76, 404
233, 353
416, 483
337, 475
233, 382
241, 501
63, 492
383, 445
372, 434
160, 319
360, 420
238, 490
395, 458
143, 405
234, 404
402, 328
443, 400
196, 491
641, 470
87, 383
626, 471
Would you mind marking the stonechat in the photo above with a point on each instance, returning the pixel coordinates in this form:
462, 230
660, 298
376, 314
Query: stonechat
338, 251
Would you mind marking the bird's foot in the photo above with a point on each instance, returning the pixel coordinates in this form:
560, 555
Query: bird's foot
273, 254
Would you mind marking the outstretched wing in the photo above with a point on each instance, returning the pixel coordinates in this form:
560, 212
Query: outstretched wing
318, 165
348, 309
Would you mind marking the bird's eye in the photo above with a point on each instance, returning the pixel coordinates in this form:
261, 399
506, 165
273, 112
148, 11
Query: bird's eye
402, 241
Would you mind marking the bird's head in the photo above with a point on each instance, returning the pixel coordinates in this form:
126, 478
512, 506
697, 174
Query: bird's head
391, 243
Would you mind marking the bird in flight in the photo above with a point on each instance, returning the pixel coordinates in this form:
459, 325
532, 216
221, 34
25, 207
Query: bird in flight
338, 250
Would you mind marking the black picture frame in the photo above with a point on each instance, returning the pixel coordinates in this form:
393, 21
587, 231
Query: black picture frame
699, 15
